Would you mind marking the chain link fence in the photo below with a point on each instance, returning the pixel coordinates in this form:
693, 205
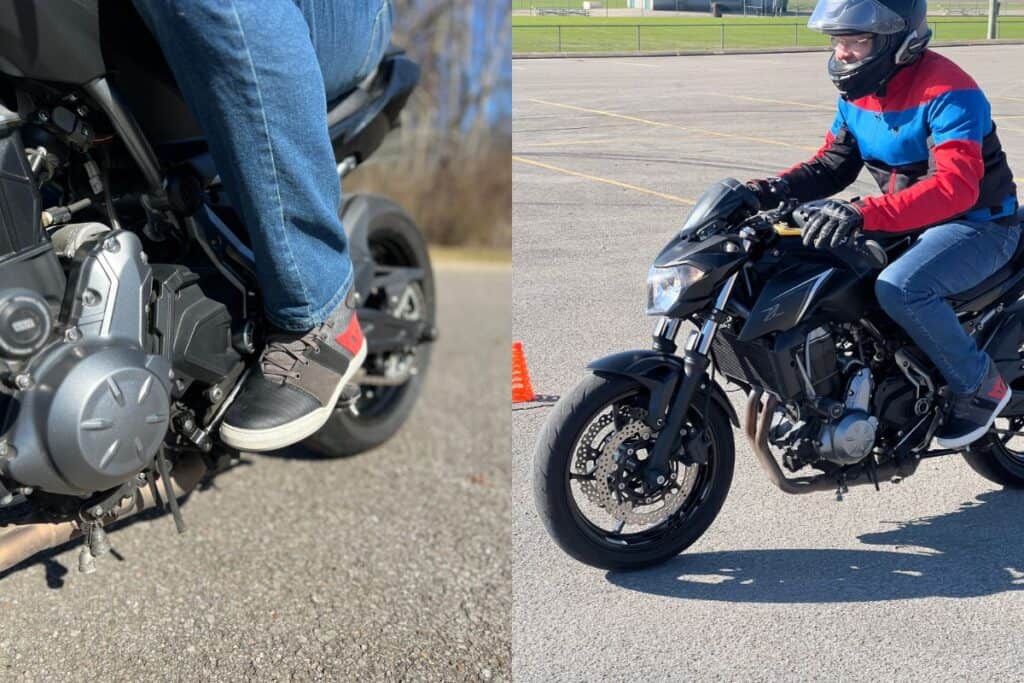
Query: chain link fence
651, 8
662, 37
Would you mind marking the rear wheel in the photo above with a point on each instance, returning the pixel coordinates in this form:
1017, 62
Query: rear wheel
999, 455
390, 380
586, 477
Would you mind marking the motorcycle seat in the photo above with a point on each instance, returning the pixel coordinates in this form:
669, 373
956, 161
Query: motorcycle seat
355, 99
1001, 283
358, 120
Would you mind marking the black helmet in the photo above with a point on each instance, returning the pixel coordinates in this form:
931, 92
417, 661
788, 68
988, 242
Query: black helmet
900, 31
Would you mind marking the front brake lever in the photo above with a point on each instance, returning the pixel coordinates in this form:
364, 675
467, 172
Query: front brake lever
783, 213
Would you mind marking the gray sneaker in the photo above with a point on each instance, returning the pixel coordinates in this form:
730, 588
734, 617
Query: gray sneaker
296, 383
972, 415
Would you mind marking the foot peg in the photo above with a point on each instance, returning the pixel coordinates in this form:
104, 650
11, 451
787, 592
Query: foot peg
350, 393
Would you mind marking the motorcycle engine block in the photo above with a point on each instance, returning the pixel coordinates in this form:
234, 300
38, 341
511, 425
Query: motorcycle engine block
850, 438
92, 407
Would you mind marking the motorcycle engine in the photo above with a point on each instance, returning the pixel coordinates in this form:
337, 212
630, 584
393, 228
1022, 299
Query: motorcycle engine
850, 438
91, 406
846, 432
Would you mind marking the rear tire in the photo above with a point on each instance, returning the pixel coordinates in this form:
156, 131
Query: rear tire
394, 240
569, 527
993, 459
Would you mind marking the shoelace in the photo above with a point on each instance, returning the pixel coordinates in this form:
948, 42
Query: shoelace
282, 355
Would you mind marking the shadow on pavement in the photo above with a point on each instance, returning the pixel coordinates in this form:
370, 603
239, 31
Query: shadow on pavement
540, 401
973, 551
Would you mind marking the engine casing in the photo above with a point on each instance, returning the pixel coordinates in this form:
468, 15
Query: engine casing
849, 439
92, 408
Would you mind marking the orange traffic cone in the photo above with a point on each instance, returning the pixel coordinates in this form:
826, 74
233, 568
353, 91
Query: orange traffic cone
522, 391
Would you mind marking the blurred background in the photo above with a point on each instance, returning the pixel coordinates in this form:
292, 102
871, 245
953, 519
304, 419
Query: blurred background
450, 163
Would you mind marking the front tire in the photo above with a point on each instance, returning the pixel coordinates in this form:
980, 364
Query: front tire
567, 431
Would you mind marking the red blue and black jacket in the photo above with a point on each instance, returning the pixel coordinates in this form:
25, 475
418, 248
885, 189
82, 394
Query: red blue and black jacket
930, 144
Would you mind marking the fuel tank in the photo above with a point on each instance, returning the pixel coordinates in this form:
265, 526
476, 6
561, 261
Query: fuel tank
51, 41
796, 290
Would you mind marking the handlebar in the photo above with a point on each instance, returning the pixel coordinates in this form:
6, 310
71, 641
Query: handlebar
796, 213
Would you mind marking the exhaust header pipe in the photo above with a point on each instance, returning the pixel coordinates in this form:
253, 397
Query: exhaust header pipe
21, 541
757, 422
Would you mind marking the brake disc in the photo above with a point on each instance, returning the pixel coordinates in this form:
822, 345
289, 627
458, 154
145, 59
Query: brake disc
604, 470
586, 460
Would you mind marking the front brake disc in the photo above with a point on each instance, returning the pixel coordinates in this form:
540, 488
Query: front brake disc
601, 487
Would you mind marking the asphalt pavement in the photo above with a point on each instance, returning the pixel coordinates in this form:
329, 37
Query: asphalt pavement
391, 565
919, 581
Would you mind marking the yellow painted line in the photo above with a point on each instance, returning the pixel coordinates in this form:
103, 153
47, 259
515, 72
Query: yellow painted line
788, 103
765, 141
624, 117
606, 181
572, 143
660, 124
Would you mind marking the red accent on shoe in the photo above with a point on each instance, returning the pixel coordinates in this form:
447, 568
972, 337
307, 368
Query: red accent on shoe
999, 390
352, 338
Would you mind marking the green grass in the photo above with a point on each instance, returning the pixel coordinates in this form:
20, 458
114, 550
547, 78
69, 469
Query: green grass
955, 7
600, 34
573, 4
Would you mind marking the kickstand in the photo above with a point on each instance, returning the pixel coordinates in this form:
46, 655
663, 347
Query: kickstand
872, 473
163, 467
841, 487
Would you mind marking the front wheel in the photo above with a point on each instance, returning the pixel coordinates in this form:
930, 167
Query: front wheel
586, 485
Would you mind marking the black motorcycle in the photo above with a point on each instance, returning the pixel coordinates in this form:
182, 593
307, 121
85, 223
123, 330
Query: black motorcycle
634, 464
129, 310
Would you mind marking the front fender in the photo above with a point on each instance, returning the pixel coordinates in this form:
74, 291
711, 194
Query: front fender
660, 374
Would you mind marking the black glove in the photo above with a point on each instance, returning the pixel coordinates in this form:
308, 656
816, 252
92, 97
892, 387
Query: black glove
770, 192
836, 223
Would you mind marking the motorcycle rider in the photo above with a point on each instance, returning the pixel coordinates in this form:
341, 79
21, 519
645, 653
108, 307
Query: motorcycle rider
257, 75
924, 130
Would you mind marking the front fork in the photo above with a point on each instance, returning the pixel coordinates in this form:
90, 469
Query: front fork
695, 365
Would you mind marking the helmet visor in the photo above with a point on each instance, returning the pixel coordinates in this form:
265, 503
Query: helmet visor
855, 16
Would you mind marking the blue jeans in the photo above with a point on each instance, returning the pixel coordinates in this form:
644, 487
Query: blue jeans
946, 259
257, 75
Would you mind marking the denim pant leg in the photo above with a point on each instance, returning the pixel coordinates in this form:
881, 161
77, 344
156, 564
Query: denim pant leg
256, 74
945, 260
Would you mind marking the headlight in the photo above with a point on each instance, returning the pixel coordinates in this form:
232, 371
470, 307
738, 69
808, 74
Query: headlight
665, 285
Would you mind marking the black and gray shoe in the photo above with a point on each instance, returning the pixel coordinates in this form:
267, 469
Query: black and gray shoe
298, 380
972, 415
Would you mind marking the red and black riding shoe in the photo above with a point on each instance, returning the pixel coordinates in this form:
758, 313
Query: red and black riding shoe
297, 383
973, 414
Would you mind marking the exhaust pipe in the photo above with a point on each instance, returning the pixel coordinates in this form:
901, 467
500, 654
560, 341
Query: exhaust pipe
757, 422
22, 541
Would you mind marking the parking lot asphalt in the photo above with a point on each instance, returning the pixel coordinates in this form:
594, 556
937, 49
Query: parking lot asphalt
392, 565
919, 581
